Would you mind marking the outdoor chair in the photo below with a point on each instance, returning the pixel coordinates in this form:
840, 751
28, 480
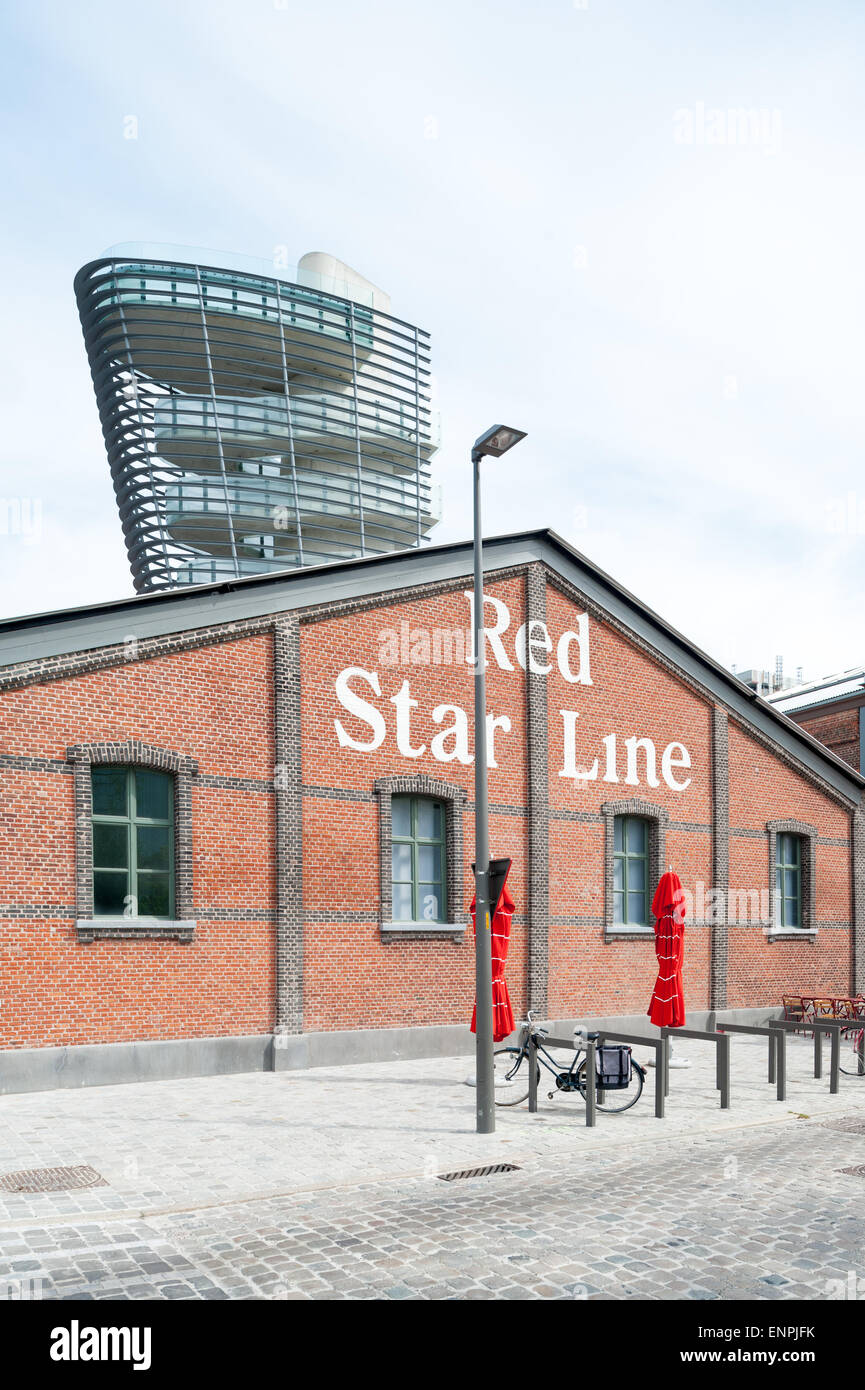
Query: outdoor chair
794, 1011
823, 1008
809, 1013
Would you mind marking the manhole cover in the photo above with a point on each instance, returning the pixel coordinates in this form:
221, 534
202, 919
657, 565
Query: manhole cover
52, 1179
858, 1172
480, 1172
848, 1124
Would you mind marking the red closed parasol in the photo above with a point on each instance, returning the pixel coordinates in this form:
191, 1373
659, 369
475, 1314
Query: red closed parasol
667, 1009
503, 1014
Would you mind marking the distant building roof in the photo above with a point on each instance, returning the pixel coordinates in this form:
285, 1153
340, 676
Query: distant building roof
820, 692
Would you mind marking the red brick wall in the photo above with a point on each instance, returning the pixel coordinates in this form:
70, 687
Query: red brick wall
215, 704
838, 729
762, 789
630, 695
407, 981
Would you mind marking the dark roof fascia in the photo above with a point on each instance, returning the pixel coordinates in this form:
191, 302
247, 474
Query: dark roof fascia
839, 703
41, 635
178, 610
744, 703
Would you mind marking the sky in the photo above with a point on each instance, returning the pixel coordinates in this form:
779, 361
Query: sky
632, 230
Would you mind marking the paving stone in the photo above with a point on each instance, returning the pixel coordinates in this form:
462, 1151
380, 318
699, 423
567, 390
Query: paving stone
654, 1218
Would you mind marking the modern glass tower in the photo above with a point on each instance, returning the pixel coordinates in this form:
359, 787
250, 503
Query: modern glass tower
255, 418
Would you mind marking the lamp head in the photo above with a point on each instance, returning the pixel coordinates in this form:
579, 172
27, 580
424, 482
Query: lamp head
496, 441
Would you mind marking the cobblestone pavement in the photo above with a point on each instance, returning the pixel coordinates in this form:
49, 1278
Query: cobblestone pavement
324, 1184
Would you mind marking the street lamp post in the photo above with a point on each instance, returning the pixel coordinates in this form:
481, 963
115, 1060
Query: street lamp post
493, 443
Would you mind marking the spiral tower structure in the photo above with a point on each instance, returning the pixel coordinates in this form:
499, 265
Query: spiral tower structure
255, 419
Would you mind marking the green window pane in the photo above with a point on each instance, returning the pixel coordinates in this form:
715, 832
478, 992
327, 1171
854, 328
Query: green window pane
636, 835
429, 863
618, 907
417, 859
153, 795
110, 846
109, 791
637, 908
618, 832
792, 912
637, 874
109, 894
429, 820
153, 895
430, 906
154, 847
791, 883
402, 902
400, 810
401, 858
618, 875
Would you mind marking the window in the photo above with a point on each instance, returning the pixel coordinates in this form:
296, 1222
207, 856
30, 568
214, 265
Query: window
418, 859
631, 871
788, 880
133, 842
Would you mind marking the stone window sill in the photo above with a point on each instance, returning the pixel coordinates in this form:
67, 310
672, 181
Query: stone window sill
790, 933
625, 933
133, 929
424, 928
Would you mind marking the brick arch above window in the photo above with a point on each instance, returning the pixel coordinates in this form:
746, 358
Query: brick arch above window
659, 820
454, 799
807, 833
132, 753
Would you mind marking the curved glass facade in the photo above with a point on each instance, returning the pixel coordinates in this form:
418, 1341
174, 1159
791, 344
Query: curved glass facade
255, 422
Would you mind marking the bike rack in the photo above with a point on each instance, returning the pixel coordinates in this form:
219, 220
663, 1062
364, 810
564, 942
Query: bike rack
659, 1044
722, 1058
777, 1052
775, 1033
820, 1025
591, 1099
857, 1024
661, 1047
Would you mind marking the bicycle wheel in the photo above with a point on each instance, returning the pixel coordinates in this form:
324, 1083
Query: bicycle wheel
615, 1101
511, 1075
849, 1063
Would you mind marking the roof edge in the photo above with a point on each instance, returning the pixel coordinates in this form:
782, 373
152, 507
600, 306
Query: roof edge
450, 559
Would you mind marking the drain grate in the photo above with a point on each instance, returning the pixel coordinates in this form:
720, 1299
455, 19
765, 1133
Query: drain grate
52, 1179
480, 1172
848, 1124
858, 1172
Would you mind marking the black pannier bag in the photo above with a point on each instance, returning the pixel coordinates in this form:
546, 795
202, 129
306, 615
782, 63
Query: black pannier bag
613, 1066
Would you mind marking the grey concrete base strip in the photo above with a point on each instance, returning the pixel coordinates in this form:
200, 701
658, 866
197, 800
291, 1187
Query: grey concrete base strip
111, 1064
294, 1051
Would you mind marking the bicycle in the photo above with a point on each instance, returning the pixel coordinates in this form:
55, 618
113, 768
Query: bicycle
511, 1069
853, 1052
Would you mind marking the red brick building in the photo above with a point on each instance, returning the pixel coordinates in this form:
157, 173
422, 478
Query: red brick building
237, 819
833, 710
